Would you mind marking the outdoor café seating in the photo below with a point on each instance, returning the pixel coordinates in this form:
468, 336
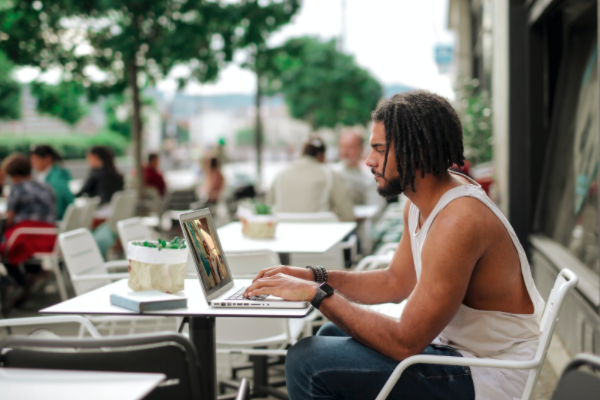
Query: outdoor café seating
169, 354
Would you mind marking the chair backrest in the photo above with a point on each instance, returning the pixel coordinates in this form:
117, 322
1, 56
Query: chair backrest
89, 209
82, 257
565, 281
133, 229
151, 198
179, 199
325, 216
167, 353
580, 379
123, 206
71, 219
246, 264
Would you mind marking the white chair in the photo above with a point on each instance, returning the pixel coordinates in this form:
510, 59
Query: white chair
84, 323
122, 206
85, 264
331, 259
89, 207
72, 219
565, 281
381, 259
50, 260
133, 229
88, 271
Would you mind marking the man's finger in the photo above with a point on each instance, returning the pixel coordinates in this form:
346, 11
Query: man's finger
264, 282
262, 273
274, 290
273, 271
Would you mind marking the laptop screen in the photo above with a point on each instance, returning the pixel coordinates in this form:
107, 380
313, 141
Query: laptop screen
206, 250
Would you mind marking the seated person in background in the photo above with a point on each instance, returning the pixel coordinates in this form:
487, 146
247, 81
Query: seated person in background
309, 186
474, 297
359, 181
152, 176
104, 179
46, 161
31, 204
215, 183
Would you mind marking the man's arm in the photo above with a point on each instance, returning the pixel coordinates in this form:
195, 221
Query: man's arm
447, 268
390, 285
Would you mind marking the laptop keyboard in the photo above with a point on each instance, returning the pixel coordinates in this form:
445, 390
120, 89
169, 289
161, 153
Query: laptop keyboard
239, 296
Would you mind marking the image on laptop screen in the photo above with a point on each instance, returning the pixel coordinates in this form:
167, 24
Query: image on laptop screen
206, 250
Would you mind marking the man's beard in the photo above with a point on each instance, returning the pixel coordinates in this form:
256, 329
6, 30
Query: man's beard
392, 188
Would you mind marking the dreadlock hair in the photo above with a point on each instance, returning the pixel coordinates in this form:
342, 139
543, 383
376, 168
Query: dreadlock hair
425, 133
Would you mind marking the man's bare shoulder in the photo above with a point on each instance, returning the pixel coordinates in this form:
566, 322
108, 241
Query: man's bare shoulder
469, 219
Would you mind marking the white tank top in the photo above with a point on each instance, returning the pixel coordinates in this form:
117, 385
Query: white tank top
490, 334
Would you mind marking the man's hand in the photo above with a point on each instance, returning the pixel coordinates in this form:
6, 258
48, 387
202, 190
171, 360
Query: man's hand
302, 273
284, 286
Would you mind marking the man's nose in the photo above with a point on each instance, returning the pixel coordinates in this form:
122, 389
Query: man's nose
371, 162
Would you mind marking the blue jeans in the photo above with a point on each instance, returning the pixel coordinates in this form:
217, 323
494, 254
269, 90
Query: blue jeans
332, 365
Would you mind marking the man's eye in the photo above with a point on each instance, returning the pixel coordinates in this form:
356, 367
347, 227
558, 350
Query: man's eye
380, 151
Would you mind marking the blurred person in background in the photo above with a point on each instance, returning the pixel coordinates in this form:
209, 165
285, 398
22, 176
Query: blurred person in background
215, 183
359, 181
309, 186
31, 204
46, 161
104, 179
152, 176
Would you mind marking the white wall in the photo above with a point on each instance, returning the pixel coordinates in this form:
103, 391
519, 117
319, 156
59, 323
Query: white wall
500, 81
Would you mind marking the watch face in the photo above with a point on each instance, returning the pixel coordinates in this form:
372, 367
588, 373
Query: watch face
326, 288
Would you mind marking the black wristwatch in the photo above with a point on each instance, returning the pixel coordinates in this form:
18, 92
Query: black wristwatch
323, 291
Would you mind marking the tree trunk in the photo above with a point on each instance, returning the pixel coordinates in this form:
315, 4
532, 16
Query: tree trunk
136, 127
258, 131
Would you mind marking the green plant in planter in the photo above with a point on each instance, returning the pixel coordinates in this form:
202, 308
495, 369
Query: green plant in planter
474, 106
174, 244
262, 209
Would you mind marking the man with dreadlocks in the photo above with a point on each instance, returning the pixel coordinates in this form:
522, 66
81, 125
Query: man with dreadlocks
472, 297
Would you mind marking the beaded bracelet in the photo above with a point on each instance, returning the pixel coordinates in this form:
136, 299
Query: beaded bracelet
314, 270
319, 272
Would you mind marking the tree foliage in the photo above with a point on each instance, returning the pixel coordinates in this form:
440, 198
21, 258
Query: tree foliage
10, 91
117, 109
64, 100
135, 43
474, 107
321, 85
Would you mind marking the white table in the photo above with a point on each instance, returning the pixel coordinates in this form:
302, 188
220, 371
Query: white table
98, 302
201, 319
366, 211
35, 384
290, 237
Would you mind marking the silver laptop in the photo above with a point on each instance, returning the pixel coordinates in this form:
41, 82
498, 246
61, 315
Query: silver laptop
213, 269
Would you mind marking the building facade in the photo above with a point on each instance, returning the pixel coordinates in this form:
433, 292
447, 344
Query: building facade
539, 59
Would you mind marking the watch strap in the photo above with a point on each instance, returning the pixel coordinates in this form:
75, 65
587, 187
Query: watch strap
320, 295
